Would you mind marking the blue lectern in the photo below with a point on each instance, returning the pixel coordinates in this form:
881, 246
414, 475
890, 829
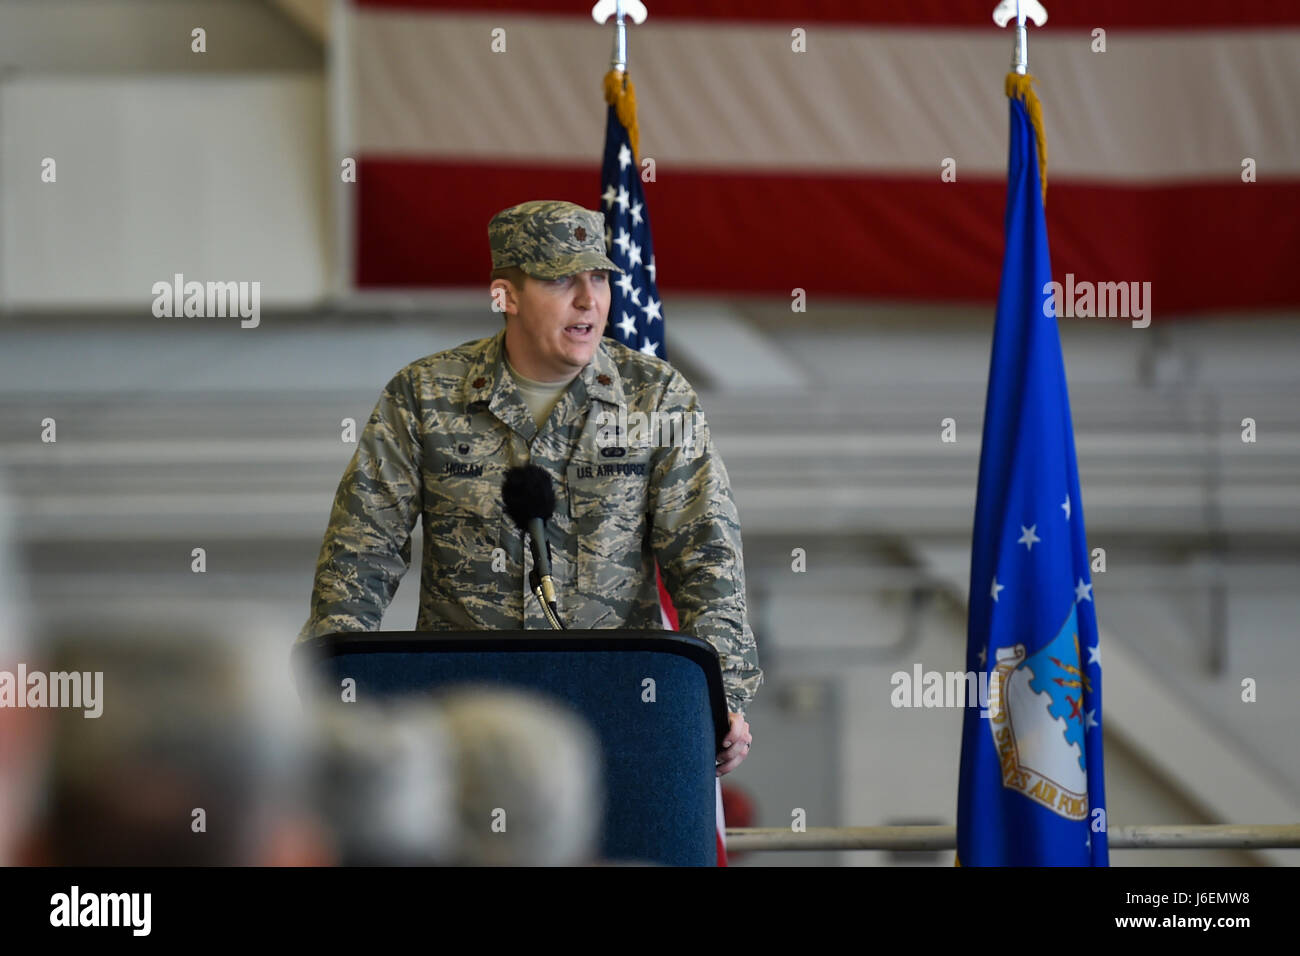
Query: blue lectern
658, 754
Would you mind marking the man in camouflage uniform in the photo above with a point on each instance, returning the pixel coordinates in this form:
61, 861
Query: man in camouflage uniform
552, 390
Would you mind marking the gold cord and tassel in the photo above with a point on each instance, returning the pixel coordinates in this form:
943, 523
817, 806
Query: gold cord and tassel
1018, 86
621, 94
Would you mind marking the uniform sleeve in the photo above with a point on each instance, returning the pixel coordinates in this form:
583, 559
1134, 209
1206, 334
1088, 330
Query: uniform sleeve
696, 539
367, 546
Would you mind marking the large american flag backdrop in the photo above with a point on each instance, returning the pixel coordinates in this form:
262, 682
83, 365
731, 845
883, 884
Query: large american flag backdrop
822, 169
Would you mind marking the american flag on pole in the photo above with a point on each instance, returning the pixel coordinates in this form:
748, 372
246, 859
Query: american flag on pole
635, 311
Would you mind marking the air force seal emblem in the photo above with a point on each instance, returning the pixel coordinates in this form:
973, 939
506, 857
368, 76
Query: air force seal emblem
1037, 720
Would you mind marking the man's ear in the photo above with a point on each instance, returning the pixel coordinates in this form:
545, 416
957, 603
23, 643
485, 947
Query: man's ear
504, 298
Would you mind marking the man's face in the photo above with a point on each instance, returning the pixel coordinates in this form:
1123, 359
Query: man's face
554, 329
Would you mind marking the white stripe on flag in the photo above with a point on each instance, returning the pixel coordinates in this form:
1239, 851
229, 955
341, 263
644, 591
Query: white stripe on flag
722, 823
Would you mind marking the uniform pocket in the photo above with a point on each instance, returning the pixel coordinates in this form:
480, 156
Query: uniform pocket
463, 511
607, 506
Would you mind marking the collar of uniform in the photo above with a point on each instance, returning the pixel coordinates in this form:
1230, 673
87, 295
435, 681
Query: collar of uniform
600, 378
485, 371
488, 384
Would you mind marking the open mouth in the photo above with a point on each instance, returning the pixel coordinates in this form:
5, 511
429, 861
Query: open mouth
579, 331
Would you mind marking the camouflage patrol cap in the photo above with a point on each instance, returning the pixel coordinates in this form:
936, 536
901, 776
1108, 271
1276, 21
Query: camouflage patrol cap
549, 239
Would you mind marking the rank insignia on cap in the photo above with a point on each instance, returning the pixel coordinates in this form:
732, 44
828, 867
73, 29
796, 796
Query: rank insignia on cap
549, 239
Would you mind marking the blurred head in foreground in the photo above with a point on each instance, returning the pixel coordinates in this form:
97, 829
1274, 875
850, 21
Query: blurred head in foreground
482, 777
179, 762
20, 730
528, 788
381, 783
189, 756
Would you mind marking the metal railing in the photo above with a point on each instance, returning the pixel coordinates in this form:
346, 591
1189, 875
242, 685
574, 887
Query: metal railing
1177, 836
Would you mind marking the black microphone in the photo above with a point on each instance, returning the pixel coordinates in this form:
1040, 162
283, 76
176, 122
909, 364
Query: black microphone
529, 497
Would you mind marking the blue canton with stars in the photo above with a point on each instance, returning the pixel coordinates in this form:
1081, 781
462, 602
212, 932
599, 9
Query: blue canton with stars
1031, 788
635, 318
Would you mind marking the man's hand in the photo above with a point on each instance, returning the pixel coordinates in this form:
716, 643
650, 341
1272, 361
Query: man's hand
735, 746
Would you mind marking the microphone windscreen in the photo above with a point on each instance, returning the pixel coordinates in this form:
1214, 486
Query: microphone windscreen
528, 493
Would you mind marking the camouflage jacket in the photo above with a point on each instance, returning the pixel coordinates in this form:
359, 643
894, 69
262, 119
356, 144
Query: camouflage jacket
437, 446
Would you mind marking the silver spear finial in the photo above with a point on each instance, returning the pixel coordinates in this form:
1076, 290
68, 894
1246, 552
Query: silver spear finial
1017, 10
618, 9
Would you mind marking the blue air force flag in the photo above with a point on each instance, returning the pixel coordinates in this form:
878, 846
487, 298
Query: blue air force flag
634, 308
1031, 787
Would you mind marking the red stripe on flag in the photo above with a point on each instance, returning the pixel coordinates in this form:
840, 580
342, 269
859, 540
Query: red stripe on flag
1204, 247
1110, 14
666, 601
